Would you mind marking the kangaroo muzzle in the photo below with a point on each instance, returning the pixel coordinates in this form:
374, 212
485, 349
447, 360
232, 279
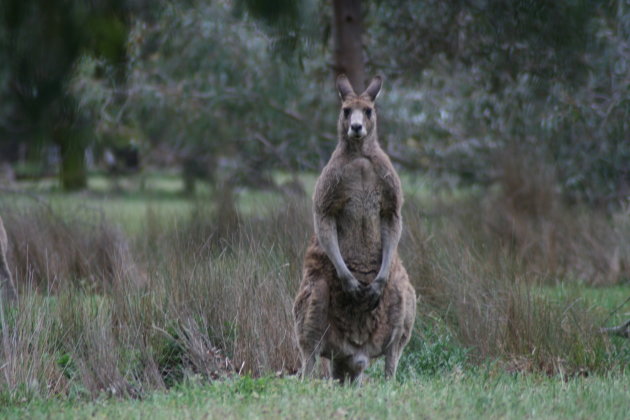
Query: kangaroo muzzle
356, 128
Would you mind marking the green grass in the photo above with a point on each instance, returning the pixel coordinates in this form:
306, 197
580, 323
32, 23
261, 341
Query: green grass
163, 194
473, 395
608, 302
128, 206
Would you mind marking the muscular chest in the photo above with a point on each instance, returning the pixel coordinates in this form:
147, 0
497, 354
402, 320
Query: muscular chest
361, 189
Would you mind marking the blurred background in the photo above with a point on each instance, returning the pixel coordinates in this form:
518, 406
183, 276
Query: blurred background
231, 91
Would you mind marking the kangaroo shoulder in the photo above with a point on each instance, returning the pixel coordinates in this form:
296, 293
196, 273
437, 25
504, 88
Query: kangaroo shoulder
390, 181
326, 188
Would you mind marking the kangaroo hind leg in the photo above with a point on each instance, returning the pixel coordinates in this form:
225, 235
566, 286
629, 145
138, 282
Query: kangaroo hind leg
311, 314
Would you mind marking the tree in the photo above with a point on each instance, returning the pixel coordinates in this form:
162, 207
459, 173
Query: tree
40, 43
218, 94
348, 42
466, 82
547, 79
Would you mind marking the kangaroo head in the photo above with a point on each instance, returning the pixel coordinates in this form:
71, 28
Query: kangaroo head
357, 118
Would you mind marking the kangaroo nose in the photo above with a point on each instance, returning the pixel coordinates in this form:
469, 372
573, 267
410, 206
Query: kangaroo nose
356, 127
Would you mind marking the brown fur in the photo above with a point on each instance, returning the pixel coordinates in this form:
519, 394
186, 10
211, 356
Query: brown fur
7, 290
352, 317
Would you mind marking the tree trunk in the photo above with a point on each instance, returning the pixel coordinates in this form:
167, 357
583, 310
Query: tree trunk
348, 33
73, 173
189, 174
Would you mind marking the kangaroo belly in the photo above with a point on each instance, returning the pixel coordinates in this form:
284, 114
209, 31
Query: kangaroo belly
360, 244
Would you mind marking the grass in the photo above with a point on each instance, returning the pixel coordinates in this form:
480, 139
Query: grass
163, 194
130, 294
604, 300
476, 394
127, 205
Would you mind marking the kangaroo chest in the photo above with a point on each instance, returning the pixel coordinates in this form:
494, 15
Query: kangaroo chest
358, 222
361, 190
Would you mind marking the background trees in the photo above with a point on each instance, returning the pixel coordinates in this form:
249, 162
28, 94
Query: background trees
526, 77
40, 45
244, 86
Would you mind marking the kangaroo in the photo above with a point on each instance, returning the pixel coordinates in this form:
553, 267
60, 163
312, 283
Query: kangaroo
355, 302
6, 284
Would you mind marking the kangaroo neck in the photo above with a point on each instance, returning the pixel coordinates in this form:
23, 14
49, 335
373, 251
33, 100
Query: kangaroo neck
364, 146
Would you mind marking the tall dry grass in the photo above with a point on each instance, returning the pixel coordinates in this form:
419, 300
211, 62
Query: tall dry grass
576, 242
99, 312
481, 260
49, 249
209, 294
492, 301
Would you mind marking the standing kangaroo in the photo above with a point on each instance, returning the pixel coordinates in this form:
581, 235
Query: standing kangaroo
355, 301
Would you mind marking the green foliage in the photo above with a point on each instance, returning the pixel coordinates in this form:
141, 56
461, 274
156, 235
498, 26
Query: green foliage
248, 387
40, 43
240, 88
479, 78
237, 90
498, 38
169, 355
210, 87
432, 350
66, 364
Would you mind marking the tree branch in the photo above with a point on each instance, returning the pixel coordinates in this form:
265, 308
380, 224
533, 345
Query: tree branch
620, 330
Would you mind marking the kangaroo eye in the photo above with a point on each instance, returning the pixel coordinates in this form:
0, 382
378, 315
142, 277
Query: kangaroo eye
368, 112
346, 112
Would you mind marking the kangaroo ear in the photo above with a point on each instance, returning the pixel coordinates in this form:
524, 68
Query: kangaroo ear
344, 87
374, 88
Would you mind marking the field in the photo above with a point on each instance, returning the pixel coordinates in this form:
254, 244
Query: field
147, 303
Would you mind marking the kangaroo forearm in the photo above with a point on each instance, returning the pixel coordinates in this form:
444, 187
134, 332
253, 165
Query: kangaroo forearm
388, 255
390, 235
326, 231
331, 247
